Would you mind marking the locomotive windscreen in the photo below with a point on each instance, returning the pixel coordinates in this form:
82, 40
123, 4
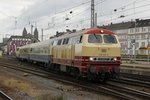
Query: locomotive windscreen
110, 39
96, 38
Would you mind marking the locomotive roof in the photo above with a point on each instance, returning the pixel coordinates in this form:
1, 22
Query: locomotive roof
97, 31
66, 35
86, 31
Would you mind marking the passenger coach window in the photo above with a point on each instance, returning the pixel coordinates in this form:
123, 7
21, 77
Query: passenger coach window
110, 39
95, 38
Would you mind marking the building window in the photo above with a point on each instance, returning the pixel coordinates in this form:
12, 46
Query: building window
143, 29
136, 45
143, 36
148, 35
148, 29
131, 30
137, 30
137, 36
143, 44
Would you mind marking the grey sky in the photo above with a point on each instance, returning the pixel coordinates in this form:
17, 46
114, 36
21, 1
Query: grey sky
17, 14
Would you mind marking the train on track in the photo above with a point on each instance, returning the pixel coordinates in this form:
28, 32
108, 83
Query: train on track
92, 53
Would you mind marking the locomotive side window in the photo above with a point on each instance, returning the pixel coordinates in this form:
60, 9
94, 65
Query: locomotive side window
70, 41
64, 41
73, 40
67, 40
55, 42
95, 38
59, 42
80, 41
110, 39
52, 42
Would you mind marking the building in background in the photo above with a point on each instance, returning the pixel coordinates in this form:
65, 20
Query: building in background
134, 36
121, 29
16, 41
11, 44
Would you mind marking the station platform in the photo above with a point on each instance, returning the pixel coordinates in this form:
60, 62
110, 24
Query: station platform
137, 68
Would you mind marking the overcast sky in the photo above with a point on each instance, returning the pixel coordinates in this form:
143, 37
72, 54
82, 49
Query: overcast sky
51, 14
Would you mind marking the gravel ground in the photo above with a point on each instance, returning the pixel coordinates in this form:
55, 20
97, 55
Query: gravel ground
23, 86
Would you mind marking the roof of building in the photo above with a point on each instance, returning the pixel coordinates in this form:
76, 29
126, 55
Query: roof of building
127, 25
141, 23
118, 26
18, 37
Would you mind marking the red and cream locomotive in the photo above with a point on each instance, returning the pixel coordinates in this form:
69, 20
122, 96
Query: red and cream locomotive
93, 53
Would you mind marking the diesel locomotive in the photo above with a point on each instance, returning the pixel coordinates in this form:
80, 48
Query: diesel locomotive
91, 53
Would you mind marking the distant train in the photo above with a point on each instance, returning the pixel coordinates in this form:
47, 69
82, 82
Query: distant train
92, 53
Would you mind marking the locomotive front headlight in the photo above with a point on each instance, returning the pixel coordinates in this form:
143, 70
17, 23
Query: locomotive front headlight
115, 59
91, 58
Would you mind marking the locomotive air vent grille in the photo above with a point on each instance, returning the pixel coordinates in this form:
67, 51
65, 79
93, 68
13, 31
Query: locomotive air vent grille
104, 50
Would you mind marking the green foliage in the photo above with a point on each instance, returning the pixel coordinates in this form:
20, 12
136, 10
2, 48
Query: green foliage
58, 98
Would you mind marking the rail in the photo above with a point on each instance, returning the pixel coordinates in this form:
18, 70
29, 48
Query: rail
133, 82
3, 96
90, 86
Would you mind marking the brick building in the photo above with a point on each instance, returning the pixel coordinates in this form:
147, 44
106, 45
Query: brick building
14, 42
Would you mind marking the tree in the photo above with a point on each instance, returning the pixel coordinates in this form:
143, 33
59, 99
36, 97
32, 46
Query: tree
24, 33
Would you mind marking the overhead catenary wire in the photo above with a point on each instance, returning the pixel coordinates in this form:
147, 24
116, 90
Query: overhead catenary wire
102, 15
86, 9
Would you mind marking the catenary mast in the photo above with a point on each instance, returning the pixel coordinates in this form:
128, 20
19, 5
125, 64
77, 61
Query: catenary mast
92, 14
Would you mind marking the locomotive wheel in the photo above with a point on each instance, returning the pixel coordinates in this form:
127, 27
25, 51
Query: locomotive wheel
90, 76
104, 77
75, 73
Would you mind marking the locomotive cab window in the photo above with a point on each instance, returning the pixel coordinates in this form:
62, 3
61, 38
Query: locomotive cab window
94, 38
110, 39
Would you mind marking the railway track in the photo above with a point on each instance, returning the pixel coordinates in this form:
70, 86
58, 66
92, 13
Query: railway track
132, 92
3, 96
106, 89
135, 76
134, 82
125, 80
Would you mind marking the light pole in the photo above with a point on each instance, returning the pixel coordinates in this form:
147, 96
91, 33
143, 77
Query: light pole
148, 58
134, 33
42, 34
